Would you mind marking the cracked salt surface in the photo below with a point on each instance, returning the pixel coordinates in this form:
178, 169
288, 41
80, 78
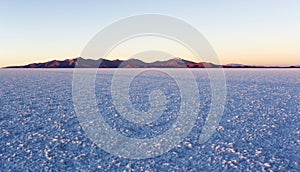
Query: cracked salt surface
259, 130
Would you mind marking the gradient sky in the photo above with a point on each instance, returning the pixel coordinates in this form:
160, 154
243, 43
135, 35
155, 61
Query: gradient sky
261, 32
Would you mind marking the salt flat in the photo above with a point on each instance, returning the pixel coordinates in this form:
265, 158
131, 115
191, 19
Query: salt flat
259, 130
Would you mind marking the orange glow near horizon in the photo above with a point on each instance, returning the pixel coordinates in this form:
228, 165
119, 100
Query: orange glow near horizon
228, 53
269, 52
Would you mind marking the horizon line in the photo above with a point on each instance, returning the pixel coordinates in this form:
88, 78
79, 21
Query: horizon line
230, 65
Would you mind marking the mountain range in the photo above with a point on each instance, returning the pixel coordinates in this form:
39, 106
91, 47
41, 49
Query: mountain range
135, 63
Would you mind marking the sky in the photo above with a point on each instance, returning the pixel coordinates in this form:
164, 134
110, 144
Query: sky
256, 32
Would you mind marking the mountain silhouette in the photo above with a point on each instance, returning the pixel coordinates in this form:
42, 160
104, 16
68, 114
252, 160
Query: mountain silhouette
134, 63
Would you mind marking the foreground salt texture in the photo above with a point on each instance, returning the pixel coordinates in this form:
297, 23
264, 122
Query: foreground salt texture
260, 128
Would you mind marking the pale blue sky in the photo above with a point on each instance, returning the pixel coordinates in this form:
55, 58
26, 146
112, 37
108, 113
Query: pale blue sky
253, 32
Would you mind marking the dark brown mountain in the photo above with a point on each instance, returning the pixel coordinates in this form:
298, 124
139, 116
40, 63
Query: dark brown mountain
130, 63
134, 63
